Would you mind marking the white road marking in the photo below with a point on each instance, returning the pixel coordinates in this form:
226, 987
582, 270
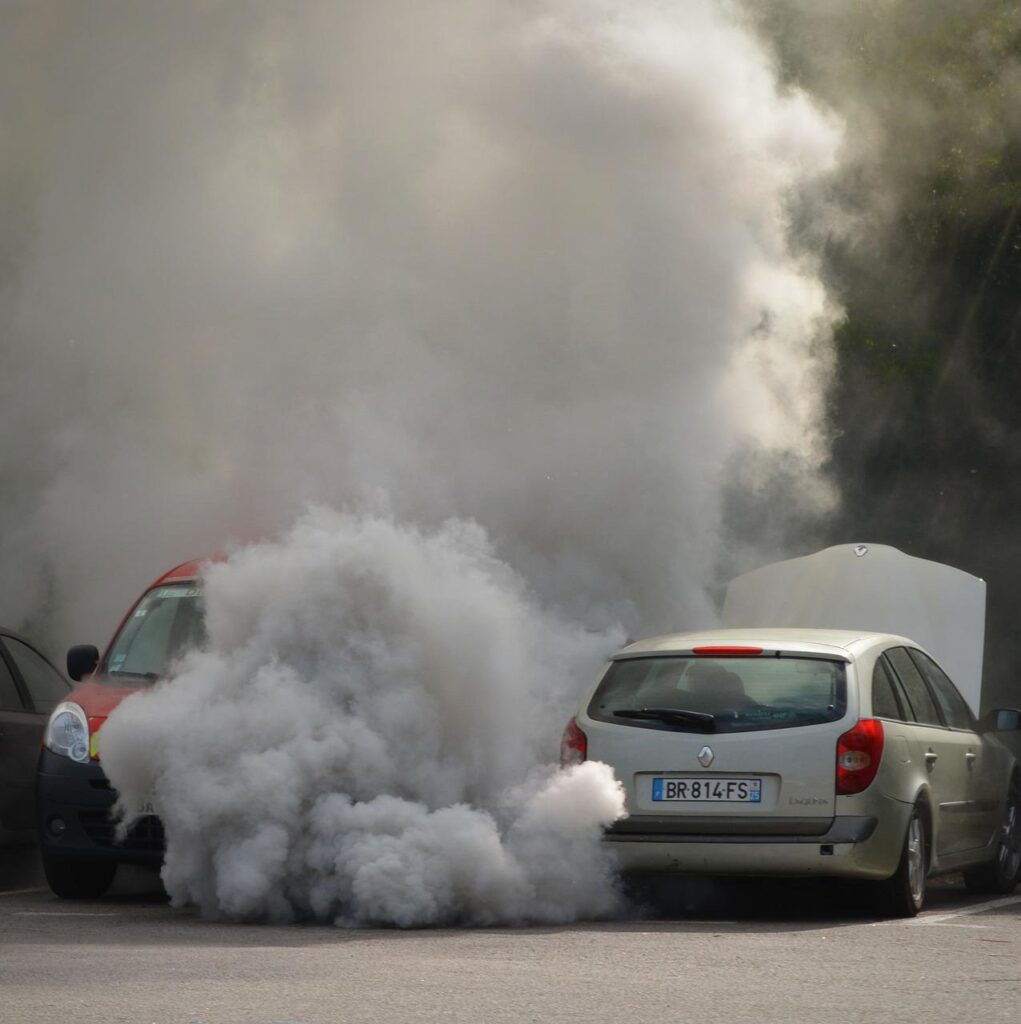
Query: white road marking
978, 908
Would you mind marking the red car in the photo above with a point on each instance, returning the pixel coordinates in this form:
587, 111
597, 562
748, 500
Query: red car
80, 852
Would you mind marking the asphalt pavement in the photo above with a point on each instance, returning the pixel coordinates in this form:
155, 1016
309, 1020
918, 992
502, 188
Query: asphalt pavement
708, 952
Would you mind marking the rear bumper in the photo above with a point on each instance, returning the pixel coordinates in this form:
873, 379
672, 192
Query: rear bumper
863, 846
647, 828
80, 797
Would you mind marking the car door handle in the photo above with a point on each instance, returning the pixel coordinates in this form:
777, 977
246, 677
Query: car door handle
970, 758
930, 758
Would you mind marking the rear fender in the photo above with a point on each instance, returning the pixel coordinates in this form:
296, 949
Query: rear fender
902, 774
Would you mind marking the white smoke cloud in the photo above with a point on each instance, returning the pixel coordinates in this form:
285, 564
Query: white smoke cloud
519, 263
359, 741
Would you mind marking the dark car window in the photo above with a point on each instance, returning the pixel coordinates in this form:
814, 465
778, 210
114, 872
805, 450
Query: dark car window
952, 704
922, 704
885, 702
46, 686
166, 622
10, 699
733, 694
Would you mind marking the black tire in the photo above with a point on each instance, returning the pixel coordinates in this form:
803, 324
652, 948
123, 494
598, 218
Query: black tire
903, 894
78, 879
1001, 874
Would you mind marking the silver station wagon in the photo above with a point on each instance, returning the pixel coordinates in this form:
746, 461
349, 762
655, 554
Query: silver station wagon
803, 752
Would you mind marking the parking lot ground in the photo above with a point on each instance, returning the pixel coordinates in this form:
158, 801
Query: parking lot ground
718, 951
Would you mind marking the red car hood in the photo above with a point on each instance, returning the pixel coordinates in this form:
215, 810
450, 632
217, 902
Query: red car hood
97, 700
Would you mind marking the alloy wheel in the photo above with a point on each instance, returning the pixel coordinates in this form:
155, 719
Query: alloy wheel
1009, 854
916, 860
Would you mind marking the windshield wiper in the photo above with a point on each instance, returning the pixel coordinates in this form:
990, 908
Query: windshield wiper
675, 716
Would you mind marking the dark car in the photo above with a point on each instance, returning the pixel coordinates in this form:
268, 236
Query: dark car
77, 836
30, 688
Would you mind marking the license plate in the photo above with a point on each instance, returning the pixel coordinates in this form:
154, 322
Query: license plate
708, 791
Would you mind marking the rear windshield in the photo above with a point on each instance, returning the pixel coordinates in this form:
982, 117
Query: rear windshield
167, 622
721, 694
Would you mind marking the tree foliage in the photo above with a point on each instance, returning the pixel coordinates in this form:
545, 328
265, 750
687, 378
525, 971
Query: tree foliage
919, 236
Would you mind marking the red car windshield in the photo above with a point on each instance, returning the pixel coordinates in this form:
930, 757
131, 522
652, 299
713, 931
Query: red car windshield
167, 622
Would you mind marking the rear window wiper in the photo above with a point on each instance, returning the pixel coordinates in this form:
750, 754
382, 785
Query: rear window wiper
676, 716
135, 675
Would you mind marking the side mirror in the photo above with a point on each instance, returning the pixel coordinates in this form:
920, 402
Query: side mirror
81, 661
1002, 720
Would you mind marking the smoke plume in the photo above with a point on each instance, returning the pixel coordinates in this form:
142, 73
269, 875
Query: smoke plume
523, 265
355, 743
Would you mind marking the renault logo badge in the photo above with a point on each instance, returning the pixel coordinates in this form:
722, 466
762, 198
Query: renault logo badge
705, 756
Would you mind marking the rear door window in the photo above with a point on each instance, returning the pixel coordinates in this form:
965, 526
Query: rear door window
10, 699
721, 694
922, 705
952, 704
885, 702
45, 685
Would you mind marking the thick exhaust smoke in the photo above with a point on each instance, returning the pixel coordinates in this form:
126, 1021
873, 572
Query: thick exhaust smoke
355, 743
517, 264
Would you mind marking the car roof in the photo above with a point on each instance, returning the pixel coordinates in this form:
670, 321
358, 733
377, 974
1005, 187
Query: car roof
185, 571
839, 643
4, 631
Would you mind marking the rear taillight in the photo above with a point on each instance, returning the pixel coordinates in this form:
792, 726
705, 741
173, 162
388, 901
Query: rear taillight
573, 745
859, 751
